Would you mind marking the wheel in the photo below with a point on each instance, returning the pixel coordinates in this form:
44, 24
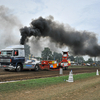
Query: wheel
36, 67
18, 68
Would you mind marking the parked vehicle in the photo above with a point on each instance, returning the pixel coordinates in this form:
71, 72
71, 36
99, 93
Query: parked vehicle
88, 64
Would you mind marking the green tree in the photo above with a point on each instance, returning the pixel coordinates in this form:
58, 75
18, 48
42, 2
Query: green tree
46, 54
79, 59
90, 60
57, 56
71, 58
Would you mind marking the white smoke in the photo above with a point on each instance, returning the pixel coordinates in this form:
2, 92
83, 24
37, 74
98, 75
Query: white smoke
9, 28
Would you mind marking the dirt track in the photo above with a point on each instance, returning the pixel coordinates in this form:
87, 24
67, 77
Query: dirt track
9, 76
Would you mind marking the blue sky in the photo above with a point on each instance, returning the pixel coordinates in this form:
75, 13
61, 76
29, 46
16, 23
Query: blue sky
79, 14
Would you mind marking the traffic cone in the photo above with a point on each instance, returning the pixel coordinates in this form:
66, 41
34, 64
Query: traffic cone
97, 73
70, 79
61, 71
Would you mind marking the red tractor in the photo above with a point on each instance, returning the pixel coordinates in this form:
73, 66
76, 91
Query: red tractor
52, 64
65, 62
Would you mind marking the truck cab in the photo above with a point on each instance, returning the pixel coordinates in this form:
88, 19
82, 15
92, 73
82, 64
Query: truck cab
12, 58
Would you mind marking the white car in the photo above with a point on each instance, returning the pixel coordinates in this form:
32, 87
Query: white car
31, 64
88, 64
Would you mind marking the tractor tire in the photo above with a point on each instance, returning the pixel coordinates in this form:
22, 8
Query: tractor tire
60, 67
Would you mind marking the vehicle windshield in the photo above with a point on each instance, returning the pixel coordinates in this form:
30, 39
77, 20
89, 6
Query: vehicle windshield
6, 53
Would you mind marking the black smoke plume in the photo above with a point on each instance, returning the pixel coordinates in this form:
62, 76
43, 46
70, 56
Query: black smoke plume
79, 42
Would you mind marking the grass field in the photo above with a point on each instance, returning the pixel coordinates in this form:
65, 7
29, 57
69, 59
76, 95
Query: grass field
37, 83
